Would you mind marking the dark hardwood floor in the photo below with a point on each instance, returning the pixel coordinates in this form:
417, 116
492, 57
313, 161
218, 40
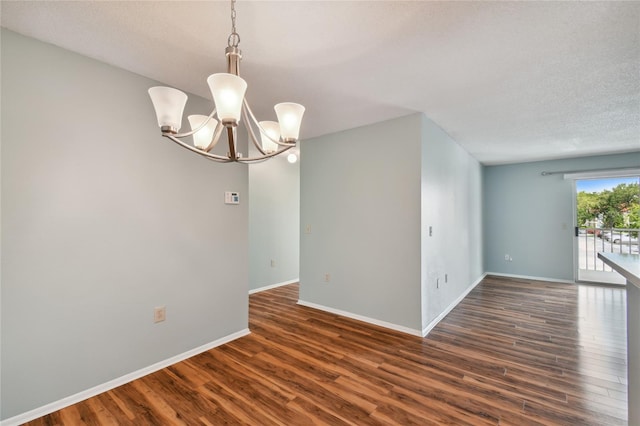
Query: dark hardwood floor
514, 352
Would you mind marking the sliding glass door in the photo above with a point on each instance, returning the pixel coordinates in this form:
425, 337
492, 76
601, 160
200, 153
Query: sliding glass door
608, 220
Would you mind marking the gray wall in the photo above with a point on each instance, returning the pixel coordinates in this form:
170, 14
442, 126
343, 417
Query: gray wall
452, 207
274, 222
102, 220
363, 205
530, 216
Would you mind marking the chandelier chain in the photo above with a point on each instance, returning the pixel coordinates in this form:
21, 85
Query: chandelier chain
234, 37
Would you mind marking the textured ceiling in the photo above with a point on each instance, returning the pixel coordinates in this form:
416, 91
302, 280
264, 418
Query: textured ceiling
509, 81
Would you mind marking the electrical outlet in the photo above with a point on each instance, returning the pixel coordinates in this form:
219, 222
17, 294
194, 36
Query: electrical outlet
159, 313
273, 263
327, 278
307, 229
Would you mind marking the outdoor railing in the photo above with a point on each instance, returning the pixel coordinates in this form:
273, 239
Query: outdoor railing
608, 240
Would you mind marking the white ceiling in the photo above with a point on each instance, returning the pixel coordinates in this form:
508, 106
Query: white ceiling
509, 81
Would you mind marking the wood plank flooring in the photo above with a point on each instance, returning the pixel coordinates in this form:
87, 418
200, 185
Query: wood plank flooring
514, 352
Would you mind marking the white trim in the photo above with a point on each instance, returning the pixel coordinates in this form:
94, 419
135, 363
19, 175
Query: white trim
575, 242
373, 321
96, 390
601, 174
527, 277
269, 287
449, 308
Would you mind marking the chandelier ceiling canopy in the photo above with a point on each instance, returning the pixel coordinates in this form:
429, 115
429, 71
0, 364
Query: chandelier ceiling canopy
228, 92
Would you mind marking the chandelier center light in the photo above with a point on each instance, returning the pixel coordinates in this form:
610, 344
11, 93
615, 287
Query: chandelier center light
228, 93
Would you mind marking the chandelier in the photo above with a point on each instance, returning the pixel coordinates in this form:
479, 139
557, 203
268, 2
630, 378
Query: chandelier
228, 90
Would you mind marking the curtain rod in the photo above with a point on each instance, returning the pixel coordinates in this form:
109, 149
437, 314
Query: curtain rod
629, 169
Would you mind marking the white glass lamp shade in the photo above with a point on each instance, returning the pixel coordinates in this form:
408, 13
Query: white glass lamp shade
290, 118
292, 158
203, 137
269, 129
169, 105
228, 92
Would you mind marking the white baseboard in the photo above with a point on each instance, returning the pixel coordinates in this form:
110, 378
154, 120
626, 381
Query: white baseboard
449, 308
527, 277
96, 390
373, 321
269, 287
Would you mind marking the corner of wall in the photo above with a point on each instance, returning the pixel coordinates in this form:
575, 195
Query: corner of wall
451, 230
